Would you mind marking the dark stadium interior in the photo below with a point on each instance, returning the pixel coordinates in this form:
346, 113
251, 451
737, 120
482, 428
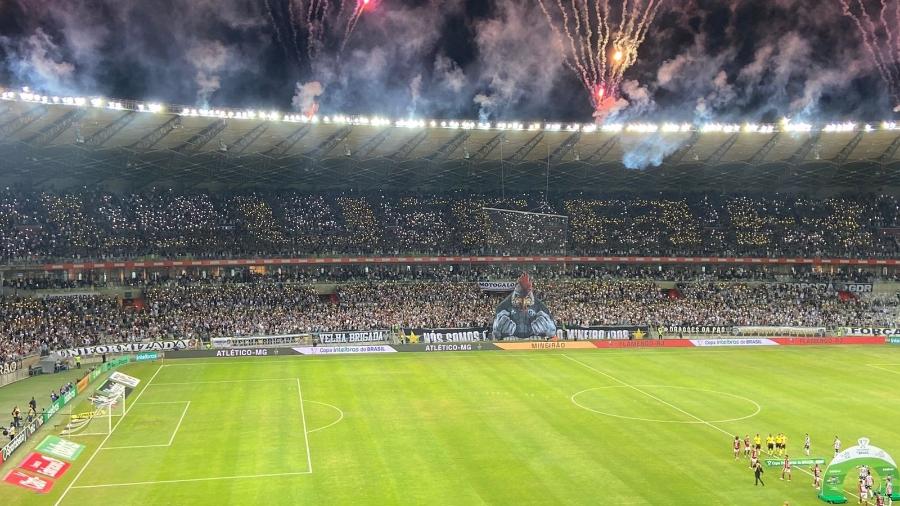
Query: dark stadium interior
58, 147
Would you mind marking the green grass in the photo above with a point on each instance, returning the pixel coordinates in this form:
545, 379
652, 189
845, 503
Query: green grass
481, 428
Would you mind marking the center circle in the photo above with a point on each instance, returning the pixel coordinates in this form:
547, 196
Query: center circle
585, 400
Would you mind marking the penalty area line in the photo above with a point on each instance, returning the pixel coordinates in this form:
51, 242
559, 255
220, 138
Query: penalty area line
189, 480
100, 446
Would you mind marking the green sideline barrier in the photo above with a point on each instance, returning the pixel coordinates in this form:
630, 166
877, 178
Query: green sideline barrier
30, 429
68, 396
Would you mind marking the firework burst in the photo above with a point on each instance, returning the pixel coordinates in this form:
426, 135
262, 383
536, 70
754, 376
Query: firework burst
600, 41
877, 23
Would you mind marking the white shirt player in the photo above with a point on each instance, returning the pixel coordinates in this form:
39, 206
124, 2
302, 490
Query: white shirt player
837, 445
806, 442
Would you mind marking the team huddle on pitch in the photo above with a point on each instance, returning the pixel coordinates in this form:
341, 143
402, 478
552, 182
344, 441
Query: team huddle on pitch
777, 446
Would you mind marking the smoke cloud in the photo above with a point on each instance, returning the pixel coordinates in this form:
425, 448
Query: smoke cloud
746, 60
305, 96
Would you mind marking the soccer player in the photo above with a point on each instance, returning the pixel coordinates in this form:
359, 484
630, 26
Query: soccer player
736, 445
786, 468
889, 490
783, 444
817, 477
747, 445
863, 493
770, 444
870, 482
837, 445
757, 442
758, 472
879, 499
806, 444
754, 458
779, 438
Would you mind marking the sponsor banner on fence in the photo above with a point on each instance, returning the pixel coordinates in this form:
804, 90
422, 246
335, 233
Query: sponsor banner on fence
497, 286
820, 341
894, 340
42, 464
545, 345
869, 331
9, 367
733, 342
771, 330
440, 347
20, 438
720, 330
466, 335
343, 350
231, 353
618, 332
645, 343
60, 448
83, 383
124, 348
147, 355
22, 479
366, 336
128, 381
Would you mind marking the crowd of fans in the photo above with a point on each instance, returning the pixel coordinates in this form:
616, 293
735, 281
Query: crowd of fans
92, 225
50, 282
266, 307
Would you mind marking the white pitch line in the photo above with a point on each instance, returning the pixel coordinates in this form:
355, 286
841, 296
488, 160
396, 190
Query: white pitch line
332, 406
116, 426
661, 352
188, 405
305, 431
221, 381
162, 402
132, 447
878, 366
188, 480
723, 431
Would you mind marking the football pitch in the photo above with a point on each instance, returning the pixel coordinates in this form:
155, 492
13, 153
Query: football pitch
551, 427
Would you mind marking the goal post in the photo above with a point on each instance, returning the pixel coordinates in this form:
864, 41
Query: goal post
99, 417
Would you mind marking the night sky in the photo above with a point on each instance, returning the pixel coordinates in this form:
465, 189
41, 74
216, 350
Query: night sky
703, 60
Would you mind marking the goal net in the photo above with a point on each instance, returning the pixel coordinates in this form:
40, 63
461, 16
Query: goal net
98, 417
512, 232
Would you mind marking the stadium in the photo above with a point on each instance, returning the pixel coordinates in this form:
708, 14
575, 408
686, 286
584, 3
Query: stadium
340, 300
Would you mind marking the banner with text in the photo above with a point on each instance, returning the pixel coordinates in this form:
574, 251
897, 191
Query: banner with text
693, 330
9, 367
868, 331
442, 347
343, 350
363, 336
466, 335
497, 286
124, 348
545, 345
837, 286
616, 332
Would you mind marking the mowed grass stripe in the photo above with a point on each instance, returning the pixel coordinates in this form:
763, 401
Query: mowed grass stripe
494, 428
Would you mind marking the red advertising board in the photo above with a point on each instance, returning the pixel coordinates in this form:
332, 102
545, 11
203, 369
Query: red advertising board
22, 479
643, 343
42, 464
819, 341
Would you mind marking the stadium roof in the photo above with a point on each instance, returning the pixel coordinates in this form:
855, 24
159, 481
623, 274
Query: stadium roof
136, 146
